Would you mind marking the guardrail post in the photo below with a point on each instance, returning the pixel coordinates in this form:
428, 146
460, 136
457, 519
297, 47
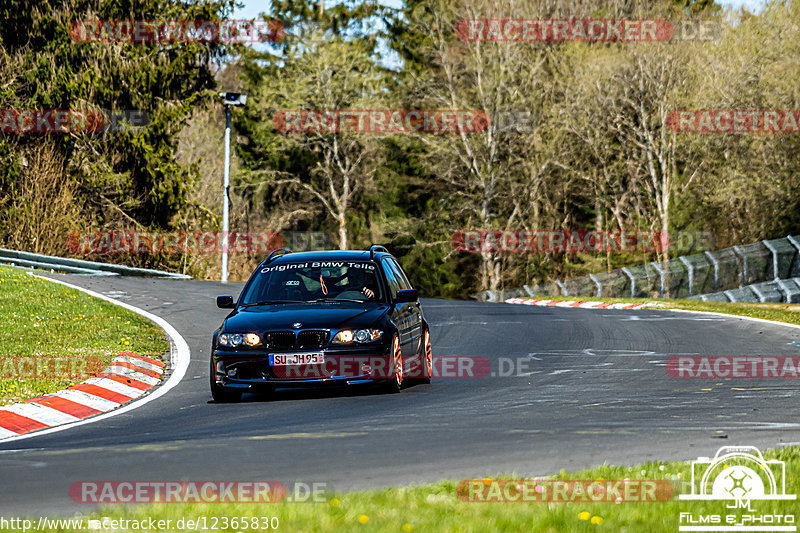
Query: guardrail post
784, 291
690, 270
761, 297
740, 253
729, 296
528, 290
715, 262
633, 280
796, 244
774, 258
599, 285
563, 288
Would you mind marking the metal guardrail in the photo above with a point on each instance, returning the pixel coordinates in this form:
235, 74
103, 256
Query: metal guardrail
749, 273
779, 290
79, 266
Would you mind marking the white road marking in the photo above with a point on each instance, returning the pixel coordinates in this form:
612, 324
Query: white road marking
625, 318
117, 294
139, 363
5, 433
115, 386
89, 400
133, 374
40, 413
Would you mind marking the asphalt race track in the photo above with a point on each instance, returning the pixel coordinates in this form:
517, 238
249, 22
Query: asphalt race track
589, 386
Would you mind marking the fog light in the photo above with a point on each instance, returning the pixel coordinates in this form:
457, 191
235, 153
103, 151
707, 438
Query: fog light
232, 373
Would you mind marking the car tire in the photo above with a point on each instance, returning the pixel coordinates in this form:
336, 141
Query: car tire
397, 378
423, 371
220, 394
426, 357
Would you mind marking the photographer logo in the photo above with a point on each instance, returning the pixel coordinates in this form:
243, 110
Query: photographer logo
742, 478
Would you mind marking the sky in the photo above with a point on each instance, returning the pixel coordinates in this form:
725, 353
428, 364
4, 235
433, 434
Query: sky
252, 8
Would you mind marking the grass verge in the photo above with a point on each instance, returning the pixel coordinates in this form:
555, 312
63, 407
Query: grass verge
779, 312
52, 336
437, 507
789, 313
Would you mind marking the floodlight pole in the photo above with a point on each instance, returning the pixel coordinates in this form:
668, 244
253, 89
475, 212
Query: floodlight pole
225, 189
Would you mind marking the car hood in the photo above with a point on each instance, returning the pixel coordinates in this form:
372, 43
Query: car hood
314, 316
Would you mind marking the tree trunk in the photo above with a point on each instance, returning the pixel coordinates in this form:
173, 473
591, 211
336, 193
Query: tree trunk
342, 232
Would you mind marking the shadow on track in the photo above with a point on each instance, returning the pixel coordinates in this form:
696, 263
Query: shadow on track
298, 394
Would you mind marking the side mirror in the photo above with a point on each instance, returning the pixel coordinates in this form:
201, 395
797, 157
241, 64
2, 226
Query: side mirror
225, 302
406, 295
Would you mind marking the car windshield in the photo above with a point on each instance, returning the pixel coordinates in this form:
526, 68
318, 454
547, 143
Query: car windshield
310, 281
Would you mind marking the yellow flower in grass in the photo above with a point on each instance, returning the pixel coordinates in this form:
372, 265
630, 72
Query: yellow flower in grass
584, 515
597, 520
363, 519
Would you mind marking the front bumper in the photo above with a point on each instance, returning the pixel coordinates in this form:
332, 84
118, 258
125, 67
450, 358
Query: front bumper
346, 365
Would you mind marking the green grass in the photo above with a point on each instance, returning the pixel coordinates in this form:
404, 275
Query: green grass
779, 312
789, 313
42, 320
437, 507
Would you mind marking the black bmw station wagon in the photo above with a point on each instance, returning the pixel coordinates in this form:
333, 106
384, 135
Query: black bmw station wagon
319, 318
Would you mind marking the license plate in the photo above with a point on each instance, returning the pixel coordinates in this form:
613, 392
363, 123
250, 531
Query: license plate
292, 359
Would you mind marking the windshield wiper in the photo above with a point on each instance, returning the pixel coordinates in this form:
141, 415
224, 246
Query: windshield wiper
268, 302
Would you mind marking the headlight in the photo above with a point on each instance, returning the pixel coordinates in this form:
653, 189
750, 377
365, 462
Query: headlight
237, 339
346, 336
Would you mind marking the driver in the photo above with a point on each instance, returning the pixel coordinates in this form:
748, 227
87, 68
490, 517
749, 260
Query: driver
360, 280
357, 280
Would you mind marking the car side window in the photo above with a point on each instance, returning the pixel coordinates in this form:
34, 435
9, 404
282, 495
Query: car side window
401, 276
391, 278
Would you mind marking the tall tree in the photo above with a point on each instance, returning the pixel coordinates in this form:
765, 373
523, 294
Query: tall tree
329, 61
127, 177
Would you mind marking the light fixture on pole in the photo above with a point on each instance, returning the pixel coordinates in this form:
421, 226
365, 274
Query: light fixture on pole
229, 99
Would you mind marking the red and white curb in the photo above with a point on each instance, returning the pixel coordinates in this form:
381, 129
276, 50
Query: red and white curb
583, 304
179, 357
127, 377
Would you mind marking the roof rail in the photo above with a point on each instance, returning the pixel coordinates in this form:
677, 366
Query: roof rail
376, 248
273, 254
